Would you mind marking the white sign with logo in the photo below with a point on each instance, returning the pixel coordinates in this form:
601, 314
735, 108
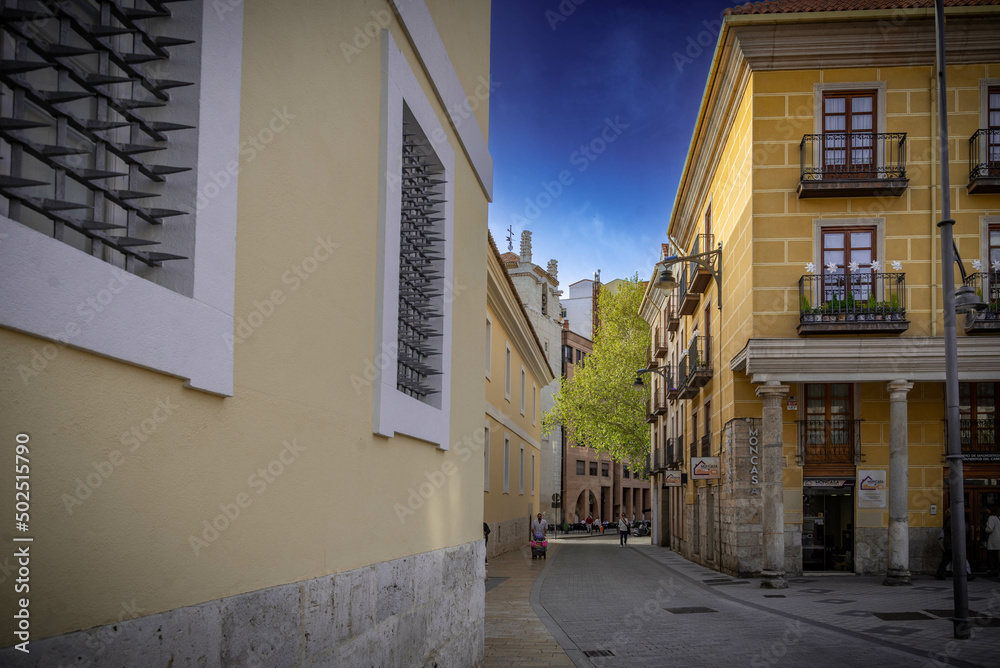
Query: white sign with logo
671, 478
872, 488
705, 468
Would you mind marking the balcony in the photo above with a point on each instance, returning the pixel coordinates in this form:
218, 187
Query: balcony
852, 164
979, 440
700, 276
858, 303
675, 452
672, 318
659, 345
987, 287
984, 162
650, 360
659, 403
671, 384
650, 418
687, 300
695, 369
706, 445
829, 442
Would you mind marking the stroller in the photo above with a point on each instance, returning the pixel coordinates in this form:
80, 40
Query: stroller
538, 546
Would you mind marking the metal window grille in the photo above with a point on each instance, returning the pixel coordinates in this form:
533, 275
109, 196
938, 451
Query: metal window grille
421, 265
80, 83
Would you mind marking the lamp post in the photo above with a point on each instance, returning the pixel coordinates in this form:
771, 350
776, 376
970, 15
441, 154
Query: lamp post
967, 301
711, 261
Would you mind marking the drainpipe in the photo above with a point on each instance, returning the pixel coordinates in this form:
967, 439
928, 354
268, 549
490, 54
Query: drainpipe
934, 205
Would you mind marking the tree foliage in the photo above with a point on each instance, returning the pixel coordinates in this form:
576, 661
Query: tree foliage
600, 406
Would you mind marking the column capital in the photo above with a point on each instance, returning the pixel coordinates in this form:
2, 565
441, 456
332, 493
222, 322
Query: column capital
898, 389
772, 388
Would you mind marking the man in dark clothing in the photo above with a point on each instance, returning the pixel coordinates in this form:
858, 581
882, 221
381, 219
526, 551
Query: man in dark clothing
486, 537
946, 554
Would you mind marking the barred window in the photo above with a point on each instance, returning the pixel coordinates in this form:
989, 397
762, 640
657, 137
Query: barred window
92, 104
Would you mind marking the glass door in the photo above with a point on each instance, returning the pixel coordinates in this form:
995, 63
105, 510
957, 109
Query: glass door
828, 529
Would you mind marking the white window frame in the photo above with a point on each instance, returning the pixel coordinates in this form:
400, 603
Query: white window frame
506, 463
820, 224
486, 459
534, 403
984, 239
394, 411
506, 379
524, 383
46, 282
520, 471
489, 347
532, 472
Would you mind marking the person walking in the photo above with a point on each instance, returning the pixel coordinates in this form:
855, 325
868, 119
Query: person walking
946, 551
486, 538
623, 527
539, 528
993, 543
590, 524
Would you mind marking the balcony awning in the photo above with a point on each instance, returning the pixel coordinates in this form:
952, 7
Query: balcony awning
845, 360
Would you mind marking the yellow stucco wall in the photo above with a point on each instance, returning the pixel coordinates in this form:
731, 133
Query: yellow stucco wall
498, 505
332, 505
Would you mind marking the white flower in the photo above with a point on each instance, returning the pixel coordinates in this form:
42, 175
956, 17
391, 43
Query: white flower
897, 265
810, 268
831, 267
996, 265
876, 266
977, 265
853, 266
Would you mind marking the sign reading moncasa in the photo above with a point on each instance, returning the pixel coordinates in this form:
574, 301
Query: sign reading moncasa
672, 479
705, 468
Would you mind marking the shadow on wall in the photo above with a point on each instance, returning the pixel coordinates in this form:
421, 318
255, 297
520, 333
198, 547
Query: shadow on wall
507, 535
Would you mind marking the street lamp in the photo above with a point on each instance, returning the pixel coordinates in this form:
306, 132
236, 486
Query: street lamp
963, 299
711, 261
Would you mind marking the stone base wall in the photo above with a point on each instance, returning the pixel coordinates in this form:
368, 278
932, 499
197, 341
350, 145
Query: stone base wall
508, 535
422, 610
925, 552
871, 550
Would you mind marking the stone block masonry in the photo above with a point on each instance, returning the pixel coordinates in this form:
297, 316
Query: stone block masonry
423, 610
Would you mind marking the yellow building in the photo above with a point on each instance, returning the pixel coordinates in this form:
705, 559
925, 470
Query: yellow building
259, 441
516, 372
805, 351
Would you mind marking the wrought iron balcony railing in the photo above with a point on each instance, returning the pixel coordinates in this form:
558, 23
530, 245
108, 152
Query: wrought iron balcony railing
984, 161
673, 320
687, 299
987, 287
979, 439
846, 164
863, 302
835, 441
695, 369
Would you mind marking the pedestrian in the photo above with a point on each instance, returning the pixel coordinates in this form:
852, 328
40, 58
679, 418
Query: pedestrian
539, 528
590, 524
486, 538
598, 526
993, 543
623, 527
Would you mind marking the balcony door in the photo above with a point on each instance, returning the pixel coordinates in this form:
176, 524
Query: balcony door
842, 246
849, 135
977, 409
993, 134
829, 437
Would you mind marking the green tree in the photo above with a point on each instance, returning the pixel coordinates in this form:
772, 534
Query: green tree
600, 406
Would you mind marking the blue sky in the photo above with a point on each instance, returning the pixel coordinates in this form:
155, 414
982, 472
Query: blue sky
590, 123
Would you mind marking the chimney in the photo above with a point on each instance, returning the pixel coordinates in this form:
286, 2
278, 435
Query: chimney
554, 270
525, 246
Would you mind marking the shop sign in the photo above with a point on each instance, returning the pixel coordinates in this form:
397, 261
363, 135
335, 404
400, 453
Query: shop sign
828, 482
705, 468
981, 456
672, 479
872, 488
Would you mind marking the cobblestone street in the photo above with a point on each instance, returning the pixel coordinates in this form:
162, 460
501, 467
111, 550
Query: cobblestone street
645, 605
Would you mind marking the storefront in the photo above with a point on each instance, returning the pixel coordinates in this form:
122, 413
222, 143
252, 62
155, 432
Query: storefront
828, 524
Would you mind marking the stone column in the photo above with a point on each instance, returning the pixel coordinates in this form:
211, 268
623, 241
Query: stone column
772, 491
899, 462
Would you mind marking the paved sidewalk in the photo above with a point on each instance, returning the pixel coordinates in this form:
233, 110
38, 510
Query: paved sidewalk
645, 605
514, 634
